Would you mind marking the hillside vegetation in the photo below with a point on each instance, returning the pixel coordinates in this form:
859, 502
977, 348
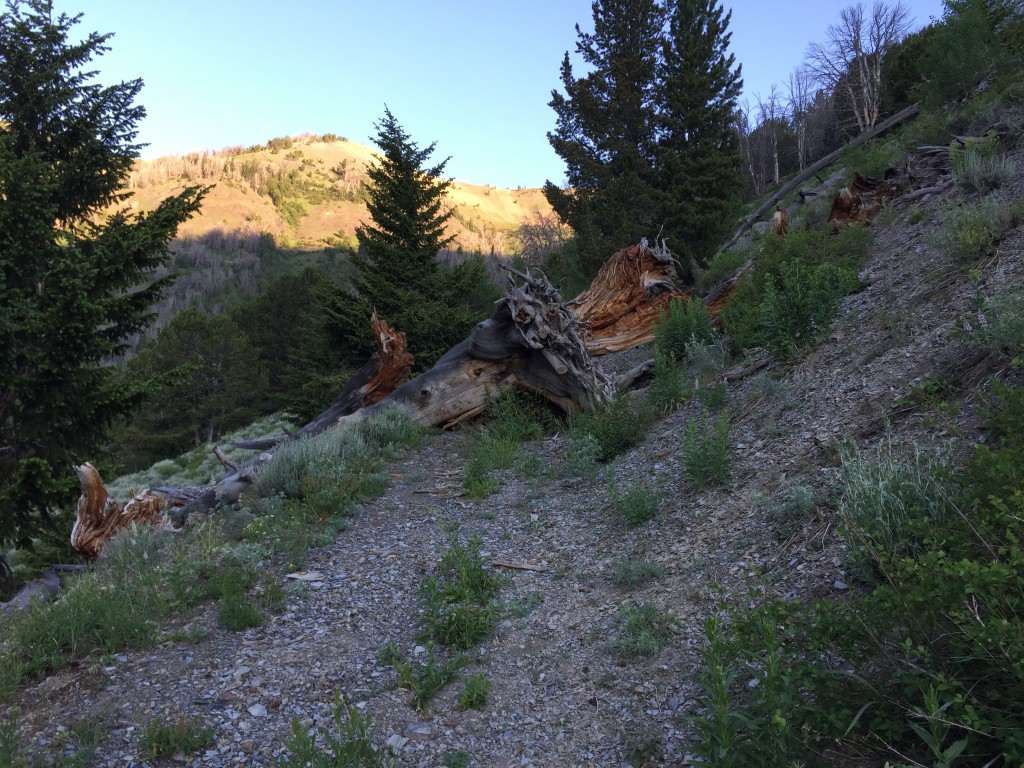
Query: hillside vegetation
293, 203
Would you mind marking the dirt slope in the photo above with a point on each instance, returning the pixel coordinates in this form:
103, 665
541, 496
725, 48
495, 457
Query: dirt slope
558, 696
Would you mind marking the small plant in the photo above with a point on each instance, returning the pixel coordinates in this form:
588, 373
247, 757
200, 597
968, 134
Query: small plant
980, 166
635, 573
581, 460
350, 747
713, 398
163, 739
668, 388
617, 427
971, 231
637, 505
999, 324
705, 452
460, 611
640, 746
789, 510
426, 680
456, 759
643, 630
684, 323
474, 694
499, 444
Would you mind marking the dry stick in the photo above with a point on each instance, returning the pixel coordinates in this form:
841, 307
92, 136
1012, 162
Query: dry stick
517, 566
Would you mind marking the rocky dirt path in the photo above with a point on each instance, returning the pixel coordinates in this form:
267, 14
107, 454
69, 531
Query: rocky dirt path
558, 697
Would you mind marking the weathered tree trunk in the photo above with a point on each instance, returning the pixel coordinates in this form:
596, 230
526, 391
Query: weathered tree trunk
99, 517
532, 342
620, 308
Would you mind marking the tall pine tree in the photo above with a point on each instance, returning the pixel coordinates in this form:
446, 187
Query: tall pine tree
700, 172
606, 130
398, 272
647, 134
75, 283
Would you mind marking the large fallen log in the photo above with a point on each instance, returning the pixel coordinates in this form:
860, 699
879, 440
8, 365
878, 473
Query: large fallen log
98, 517
532, 342
620, 308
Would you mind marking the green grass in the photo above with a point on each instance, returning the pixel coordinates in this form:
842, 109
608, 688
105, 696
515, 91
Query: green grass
165, 739
643, 631
512, 421
635, 573
474, 694
616, 428
424, 681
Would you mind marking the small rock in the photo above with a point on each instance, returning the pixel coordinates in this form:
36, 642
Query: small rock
840, 585
396, 742
421, 732
258, 710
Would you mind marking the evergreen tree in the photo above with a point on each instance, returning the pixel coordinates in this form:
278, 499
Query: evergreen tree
398, 272
606, 130
700, 170
75, 282
211, 382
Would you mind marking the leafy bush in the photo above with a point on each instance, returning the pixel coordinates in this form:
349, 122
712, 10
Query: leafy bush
971, 231
350, 747
668, 388
426, 680
637, 505
617, 427
799, 304
581, 460
643, 630
684, 322
705, 449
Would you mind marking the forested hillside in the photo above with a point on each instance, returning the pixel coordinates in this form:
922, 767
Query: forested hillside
292, 203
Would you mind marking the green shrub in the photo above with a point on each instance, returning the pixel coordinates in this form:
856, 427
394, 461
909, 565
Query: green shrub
643, 630
581, 459
980, 166
635, 573
459, 598
617, 427
685, 321
638, 505
705, 452
999, 325
350, 747
498, 444
707, 360
474, 694
669, 387
970, 232
799, 305
640, 747
891, 500
164, 739
789, 510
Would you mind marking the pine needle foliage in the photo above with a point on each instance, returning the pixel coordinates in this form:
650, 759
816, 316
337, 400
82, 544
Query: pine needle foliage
76, 281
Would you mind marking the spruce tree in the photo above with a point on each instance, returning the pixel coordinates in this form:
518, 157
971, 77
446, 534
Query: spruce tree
398, 272
700, 176
606, 130
75, 280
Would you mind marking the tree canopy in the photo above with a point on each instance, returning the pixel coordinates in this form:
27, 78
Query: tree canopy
648, 134
76, 280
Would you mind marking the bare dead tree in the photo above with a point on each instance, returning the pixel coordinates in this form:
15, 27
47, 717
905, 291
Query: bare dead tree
535, 239
851, 58
799, 95
770, 114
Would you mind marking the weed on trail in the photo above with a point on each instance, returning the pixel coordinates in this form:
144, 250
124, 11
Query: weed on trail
705, 451
351, 744
643, 631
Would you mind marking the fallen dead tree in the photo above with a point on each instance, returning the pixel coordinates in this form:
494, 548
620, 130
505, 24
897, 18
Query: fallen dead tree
98, 517
534, 341
620, 308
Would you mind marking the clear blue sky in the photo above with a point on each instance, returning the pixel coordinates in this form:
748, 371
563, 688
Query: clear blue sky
473, 75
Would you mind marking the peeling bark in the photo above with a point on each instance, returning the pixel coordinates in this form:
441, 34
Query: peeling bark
99, 517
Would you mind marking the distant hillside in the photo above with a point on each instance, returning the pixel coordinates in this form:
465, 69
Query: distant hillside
308, 193
291, 203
